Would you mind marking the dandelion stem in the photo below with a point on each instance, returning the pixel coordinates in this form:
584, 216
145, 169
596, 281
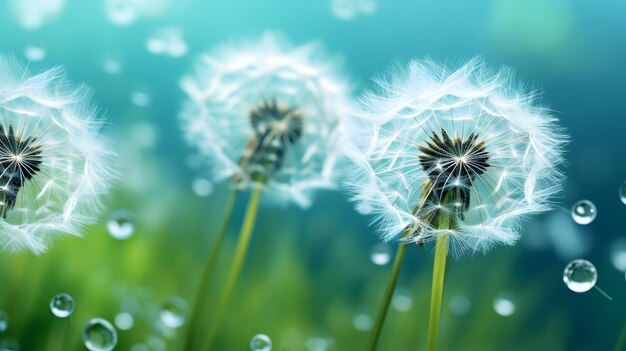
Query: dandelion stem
207, 272
391, 286
235, 268
619, 346
439, 269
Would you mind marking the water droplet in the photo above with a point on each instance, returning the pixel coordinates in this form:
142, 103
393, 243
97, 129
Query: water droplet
622, 193
261, 342
347, 10
316, 343
112, 65
173, 312
584, 212
124, 321
156, 343
140, 347
140, 97
9, 345
460, 305
504, 305
362, 322
202, 187
121, 12
580, 276
4, 321
167, 41
381, 254
34, 53
618, 254
99, 335
402, 301
62, 305
121, 225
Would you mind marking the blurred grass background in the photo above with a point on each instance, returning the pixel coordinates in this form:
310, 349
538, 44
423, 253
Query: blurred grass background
309, 274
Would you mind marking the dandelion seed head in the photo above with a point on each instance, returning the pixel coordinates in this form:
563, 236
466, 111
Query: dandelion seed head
466, 142
268, 114
54, 165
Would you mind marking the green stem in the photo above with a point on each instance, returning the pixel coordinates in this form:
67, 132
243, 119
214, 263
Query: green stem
439, 269
209, 267
384, 307
235, 268
619, 346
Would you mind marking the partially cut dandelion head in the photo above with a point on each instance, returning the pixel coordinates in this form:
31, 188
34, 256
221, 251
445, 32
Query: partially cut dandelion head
269, 115
459, 152
53, 162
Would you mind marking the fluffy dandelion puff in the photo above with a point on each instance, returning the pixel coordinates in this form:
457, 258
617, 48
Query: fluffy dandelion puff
53, 164
268, 114
465, 144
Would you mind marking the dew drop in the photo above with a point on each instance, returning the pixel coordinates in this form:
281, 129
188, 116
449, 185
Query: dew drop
140, 347
261, 342
173, 313
112, 65
124, 321
580, 276
4, 321
99, 335
459, 305
35, 53
140, 97
9, 345
362, 322
62, 305
618, 254
381, 254
316, 343
622, 193
402, 301
584, 212
121, 12
167, 41
156, 343
121, 225
202, 187
504, 305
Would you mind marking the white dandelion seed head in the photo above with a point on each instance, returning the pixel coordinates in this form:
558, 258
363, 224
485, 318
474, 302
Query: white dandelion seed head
234, 98
54, 165
470, 129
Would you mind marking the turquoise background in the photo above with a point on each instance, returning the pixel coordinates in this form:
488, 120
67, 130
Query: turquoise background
309, 272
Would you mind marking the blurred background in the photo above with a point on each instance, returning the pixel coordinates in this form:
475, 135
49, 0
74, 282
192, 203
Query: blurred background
314, 278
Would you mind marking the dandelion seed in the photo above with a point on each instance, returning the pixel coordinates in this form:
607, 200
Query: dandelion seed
54, 167
268, 115
453, 155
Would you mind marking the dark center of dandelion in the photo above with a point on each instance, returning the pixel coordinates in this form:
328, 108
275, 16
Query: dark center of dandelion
20, 160
275, 128
452, 166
